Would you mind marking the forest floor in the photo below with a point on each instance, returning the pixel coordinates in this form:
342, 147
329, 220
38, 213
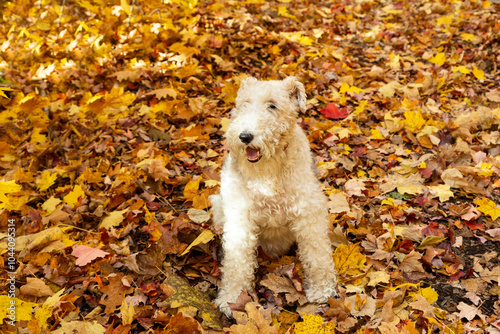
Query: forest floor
112, 126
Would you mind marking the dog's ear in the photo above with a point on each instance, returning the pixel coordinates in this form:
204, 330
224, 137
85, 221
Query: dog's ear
297, 91
247, 81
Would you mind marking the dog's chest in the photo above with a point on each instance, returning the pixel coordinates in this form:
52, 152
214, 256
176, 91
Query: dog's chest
270, 204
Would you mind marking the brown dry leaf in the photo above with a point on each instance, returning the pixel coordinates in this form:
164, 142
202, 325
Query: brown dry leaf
36, 287
411, 263
361, 305
257, 321
469, 311
423, 305
80, 327
279, 284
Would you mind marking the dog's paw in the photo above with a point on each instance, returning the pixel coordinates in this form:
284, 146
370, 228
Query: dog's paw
321, 295
221, 303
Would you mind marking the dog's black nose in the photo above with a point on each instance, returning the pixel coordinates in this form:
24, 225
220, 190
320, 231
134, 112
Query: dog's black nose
246, 137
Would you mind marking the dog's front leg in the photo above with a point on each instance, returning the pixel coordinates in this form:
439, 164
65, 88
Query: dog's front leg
239, 242
315, 253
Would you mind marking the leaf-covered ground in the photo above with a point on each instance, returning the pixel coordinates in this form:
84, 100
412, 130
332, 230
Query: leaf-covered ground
111, 140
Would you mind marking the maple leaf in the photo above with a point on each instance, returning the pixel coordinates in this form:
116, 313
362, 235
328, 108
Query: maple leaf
113, 219
414, 120
85, 254
479, 74
74, 195
439, 59
314, 324
488, 207
411, 262
441, 191
469, 312
257, 321
468, 37
163, 93
332, 111
23, 309
338, 203
47, 179
348, 259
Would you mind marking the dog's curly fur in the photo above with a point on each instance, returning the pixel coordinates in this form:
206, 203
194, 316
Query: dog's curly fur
270, 195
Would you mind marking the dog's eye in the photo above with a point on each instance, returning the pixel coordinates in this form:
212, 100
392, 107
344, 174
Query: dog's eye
272, 106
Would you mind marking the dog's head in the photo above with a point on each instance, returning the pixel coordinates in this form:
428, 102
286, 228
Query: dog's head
264, 113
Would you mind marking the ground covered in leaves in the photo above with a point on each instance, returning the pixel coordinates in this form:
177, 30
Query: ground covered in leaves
111, 140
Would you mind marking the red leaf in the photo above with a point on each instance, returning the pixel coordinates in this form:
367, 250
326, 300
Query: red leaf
473, 225
331, 111
85, 254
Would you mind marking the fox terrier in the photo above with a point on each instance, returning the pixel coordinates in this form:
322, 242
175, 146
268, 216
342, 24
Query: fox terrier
270, 195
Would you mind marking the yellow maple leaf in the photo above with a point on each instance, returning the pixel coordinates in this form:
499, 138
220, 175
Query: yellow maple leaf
113, 219
23, 309
445, 20
314, 324
443, 191
283, 11
468, 37
479, 74
127, 311
486, 169
191, 189
376, 134
42, 315
51, 204
13, 203
488, 207
345, 88
47, 179
23, 177
361, 107
37, 137
73, 196
414, 120
7, 187
438, 59
275, 49
461, 69
348, 259
297, 36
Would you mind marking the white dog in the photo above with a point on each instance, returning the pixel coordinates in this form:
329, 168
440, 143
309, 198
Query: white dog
269, 194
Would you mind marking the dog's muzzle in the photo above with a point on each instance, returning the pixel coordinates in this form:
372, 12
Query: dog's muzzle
253, 154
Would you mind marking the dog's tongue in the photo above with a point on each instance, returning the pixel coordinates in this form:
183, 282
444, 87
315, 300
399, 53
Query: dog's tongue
252, 153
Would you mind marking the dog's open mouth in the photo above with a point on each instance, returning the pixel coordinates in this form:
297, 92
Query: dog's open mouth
253, 154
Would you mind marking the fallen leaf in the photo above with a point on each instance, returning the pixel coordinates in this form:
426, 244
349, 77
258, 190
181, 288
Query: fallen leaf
203, 238
36, 287
85, 254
